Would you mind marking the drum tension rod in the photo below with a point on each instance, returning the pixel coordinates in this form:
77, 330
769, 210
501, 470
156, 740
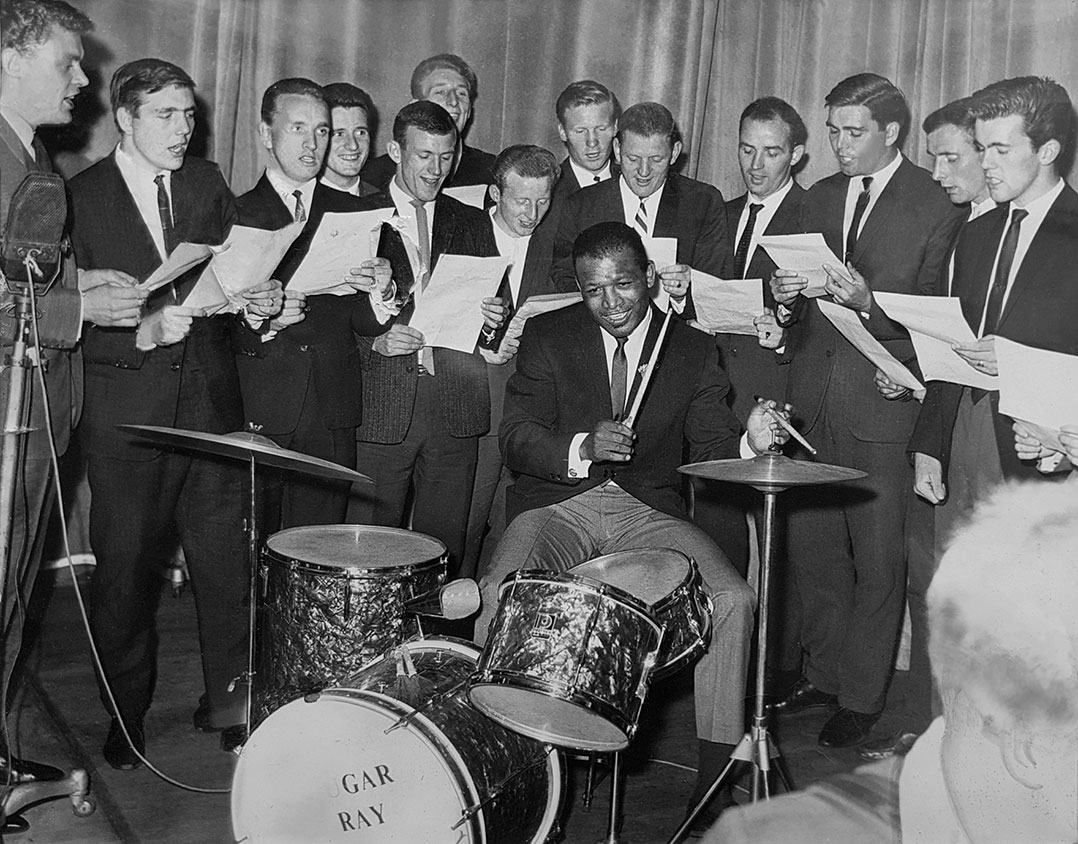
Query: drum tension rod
435, 699
496, 791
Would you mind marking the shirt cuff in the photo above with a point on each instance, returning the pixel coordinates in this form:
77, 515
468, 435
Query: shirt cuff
578, 467
745, 448
678, 304
384, 310
1050, 462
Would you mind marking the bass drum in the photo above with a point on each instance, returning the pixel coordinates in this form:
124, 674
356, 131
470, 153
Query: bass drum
399, 755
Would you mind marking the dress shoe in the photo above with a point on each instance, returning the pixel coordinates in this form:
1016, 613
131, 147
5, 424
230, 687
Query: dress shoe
232, 738
117, 751
21, 771
203, 716
846, 728
804, 696
896, 744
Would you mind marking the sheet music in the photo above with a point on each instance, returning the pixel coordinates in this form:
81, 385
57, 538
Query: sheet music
342, 242
806, 254
851, 326
727, 306
1039, 388
447, 314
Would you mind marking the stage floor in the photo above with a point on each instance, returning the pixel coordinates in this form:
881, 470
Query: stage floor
59, 720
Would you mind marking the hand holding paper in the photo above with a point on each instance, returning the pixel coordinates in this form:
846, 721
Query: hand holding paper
1037, 387
245, 260
806, 255
182, 258
851, 327
662, 252
343, 241
727, 306
448, 313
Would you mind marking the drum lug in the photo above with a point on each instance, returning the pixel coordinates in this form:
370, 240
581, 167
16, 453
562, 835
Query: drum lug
263, 573
312, 697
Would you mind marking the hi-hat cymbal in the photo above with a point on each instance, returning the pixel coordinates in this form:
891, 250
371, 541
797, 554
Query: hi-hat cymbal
771, 472
242, 445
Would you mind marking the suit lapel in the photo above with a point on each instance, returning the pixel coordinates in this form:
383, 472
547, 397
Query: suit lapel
127, 211
12, 142
441, 237
885, 209
652, 335
666, 222
272, 202
591, 362
972, 286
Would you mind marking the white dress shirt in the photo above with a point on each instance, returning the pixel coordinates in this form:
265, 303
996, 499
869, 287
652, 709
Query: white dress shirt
410, 228
630, 204
286, 189
879, 181
763, 217
586, 177
516, 250
140, 182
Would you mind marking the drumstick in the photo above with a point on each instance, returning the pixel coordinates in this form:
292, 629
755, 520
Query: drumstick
630, 417
778, 418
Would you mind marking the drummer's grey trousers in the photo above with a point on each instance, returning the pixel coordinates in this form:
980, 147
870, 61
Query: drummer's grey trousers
606, 519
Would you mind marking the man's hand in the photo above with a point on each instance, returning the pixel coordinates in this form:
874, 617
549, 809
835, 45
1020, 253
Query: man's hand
265, 299
889, 389
853, 292
610, 441
293, 310
769, 333
786, 285
928, 478
676, 280
113, 306
399, 340
169, 325
506, 352
980, 354
374, 274
495, 311
89, 279
764, 430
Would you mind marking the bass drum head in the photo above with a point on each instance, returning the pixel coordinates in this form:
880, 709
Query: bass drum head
649, 574
359, 547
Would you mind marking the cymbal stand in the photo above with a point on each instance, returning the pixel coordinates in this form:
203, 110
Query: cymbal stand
756, 747
617, 800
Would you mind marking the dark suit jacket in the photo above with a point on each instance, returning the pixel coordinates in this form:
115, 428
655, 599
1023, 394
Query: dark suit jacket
561, 388
691, 211
389, 383
1041, 311
319, 353
191, 384
59, 313
474, 168
754, 370
902, 248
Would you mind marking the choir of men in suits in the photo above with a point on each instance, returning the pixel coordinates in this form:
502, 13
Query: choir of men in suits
589, 485
351, 114
892, 225
449, 81
424, 409
523, 180
40, 76
301, 380
175, 369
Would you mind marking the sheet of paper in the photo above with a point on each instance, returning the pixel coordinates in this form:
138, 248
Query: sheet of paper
246, 259
473, 195
447, 314
546, 302
183, 257
209, 296
727, 306
805, 253
662, 252
851, 326
1039, 388
342, 241
934, 323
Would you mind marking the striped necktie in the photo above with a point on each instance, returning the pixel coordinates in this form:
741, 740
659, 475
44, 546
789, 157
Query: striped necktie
641, 221
300, 214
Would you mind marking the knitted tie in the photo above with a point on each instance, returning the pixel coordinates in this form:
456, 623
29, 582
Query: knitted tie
1003, 272
423, 229
164, 208
741, 256
301, 212
858, 212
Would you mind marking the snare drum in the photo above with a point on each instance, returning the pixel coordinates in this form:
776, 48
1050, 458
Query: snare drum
670, 583
357, 763
567, 660
334, 600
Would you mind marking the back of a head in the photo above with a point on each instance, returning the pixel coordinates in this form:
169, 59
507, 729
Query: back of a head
25, 23
443, 61
767, 109
604, 240
647, 120
425, 117
527, 161
134, 80
295, 85
878, 94
1042, 103
585, 92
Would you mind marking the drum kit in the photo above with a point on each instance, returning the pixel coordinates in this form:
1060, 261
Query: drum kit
361, 723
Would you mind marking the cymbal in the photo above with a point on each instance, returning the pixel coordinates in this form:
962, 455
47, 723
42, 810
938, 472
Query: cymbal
768, 472
242, 445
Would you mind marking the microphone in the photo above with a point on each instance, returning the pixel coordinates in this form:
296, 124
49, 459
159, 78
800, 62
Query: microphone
35, 229
458, 599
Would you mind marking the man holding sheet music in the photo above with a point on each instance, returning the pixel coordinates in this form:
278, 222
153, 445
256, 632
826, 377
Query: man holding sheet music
893, 226
424, 408
588, 484
300, 380
1012, 272
175, 369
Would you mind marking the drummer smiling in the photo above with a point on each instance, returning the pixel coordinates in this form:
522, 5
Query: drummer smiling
590, 485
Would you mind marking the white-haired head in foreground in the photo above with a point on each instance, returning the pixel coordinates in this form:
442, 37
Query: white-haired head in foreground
1003, 616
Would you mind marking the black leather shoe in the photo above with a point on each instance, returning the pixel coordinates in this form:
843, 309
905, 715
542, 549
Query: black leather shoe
846, 728
896, 744
804, 696
118, 752
232, 738
20, 771
203, 716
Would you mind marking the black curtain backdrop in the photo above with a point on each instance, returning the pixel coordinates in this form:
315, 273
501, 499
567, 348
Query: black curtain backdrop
704, 59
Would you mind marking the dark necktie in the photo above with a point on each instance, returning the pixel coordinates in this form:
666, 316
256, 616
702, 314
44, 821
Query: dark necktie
596, 179
300, 215
619, 376
1003, 272
164, 208
741, 256
423, 229
858, 213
